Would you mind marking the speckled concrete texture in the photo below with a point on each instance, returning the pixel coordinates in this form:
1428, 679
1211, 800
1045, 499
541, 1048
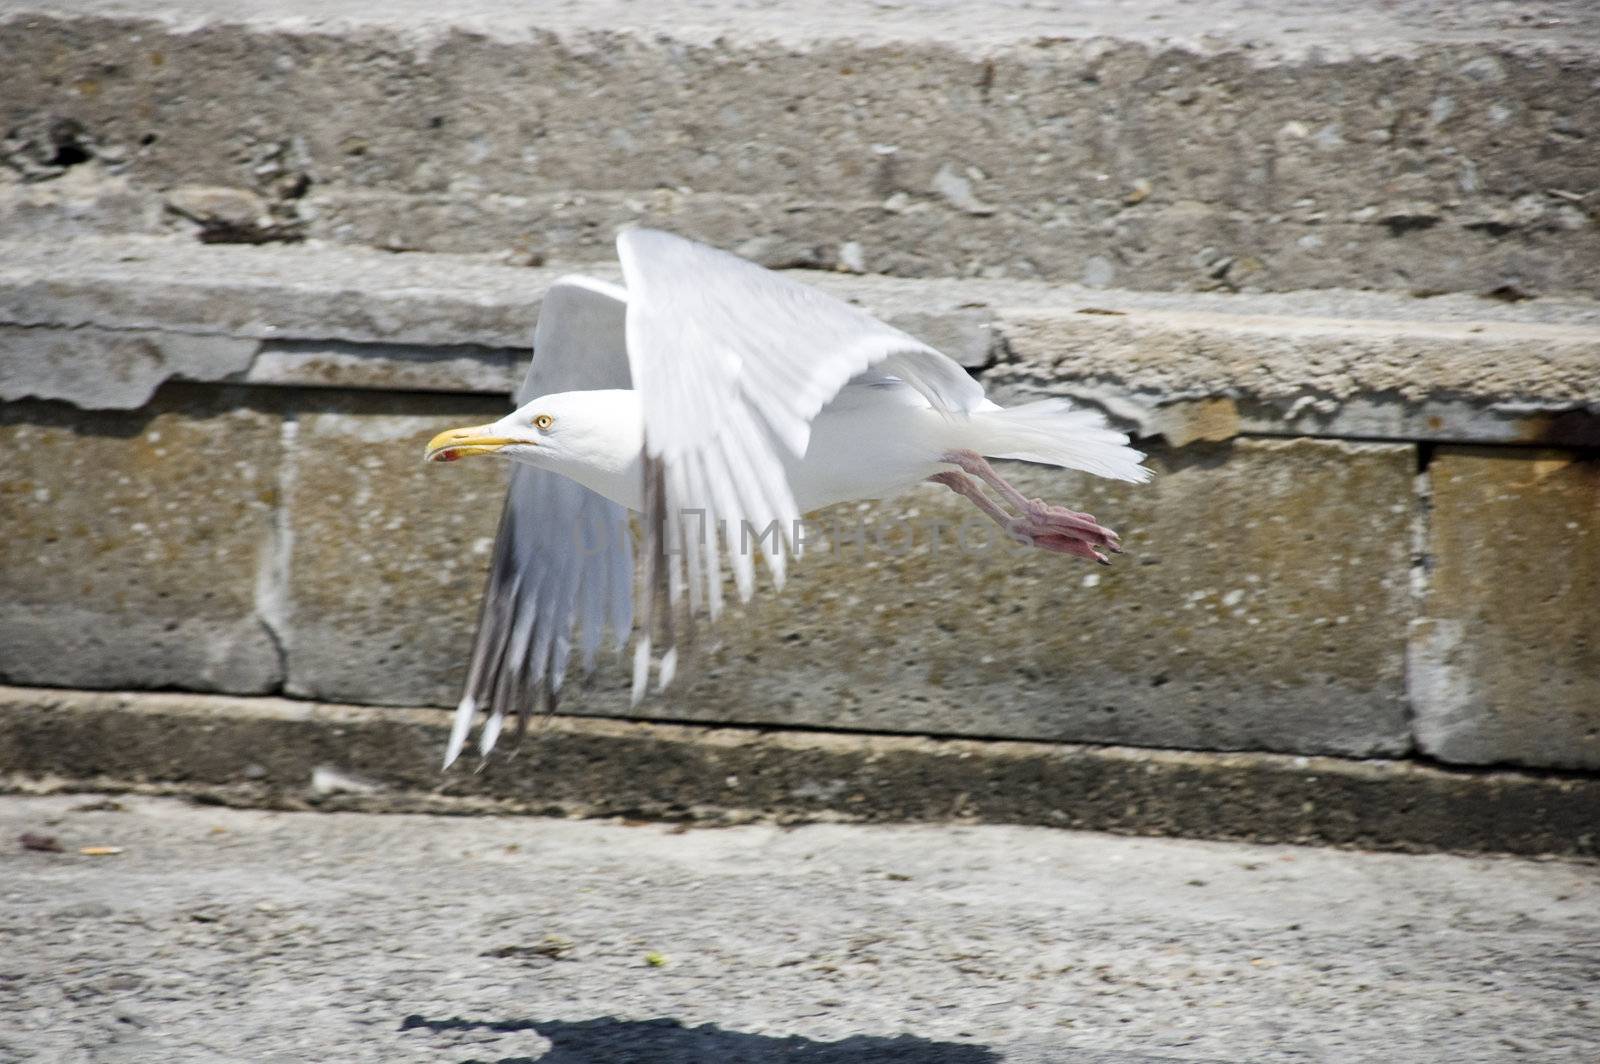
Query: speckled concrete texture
1421, 146
1261, 605
223, 934
132, 553
385, 617
1505, 661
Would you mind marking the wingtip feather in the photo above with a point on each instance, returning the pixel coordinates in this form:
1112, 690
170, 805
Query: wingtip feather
641, 671
459, 728
490, 733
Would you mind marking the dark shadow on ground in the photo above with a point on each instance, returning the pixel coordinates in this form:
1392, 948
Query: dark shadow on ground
665, 1041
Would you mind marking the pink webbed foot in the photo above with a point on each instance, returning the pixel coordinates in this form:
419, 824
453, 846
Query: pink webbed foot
1063, 531
1052, 528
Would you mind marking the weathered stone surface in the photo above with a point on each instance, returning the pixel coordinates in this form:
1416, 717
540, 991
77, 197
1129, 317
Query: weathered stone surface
132, 546
220, 208
388, 554
106, 369
1407, 369
261, 751
1437, 147
271, 293
1262, 604
1505, 665
84, 201
969, 336
389, 367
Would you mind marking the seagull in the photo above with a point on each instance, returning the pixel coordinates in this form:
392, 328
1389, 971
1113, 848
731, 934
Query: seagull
707, 394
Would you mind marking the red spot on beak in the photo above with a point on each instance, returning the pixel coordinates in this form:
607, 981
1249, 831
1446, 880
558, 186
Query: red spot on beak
447, 456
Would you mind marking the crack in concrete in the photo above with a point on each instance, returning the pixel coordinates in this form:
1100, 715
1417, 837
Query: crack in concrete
272, 576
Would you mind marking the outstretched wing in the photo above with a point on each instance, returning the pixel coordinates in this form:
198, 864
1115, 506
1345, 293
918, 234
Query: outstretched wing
563, 559
732, 362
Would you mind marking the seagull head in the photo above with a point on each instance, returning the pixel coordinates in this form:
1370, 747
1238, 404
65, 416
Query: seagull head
579, 434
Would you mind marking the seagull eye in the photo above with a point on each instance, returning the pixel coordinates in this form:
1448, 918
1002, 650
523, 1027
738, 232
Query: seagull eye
543, 422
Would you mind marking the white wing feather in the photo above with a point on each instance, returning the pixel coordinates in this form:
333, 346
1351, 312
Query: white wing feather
732, 362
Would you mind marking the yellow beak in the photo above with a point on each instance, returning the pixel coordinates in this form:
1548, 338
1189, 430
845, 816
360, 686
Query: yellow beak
464, 443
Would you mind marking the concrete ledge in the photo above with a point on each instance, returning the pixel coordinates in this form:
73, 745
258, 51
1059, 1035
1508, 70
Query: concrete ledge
102, 322
262, 751
1392, 368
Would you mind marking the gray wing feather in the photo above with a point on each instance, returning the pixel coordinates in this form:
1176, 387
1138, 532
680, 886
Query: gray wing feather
562, 571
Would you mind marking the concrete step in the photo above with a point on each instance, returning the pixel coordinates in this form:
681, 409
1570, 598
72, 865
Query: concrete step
1419, 146
262, 752
102, 322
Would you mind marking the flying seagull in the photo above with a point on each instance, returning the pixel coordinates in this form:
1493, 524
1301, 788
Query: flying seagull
709, 393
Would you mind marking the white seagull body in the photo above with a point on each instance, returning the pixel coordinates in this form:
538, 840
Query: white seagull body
711, 393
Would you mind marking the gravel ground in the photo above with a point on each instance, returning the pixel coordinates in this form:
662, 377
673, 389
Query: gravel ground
228, 935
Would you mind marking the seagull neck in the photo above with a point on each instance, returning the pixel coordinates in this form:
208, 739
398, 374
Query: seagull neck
621, 482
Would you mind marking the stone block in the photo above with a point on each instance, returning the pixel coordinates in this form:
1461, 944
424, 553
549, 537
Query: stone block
132, 546
1262, 604
1505, 664
388, 555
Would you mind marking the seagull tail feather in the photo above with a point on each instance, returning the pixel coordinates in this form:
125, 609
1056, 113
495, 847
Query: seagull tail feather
1054, 432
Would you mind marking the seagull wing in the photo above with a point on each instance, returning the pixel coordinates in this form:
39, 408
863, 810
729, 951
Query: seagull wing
732, 362
562, 571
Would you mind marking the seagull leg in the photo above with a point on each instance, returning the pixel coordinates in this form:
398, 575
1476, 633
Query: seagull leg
1052, 528
970, 489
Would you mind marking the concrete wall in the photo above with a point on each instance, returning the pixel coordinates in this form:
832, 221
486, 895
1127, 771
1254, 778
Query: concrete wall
1340, 283
261, 522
